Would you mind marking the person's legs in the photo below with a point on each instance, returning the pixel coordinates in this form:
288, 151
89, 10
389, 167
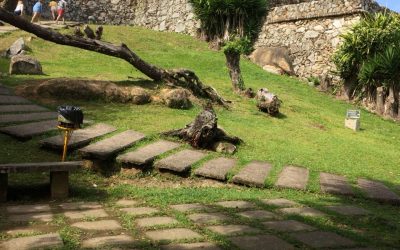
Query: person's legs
53, 13
34, 17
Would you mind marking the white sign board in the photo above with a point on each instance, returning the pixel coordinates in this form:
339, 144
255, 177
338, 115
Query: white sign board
353, 114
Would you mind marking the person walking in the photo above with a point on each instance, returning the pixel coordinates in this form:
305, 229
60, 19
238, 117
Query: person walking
37, 11
19, 10
53, 8
62, 6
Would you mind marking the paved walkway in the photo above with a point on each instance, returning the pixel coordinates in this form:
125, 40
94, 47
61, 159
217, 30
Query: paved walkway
134, 225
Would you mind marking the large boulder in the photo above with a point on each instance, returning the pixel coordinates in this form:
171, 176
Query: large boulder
16, 48
177, 98
273, 56
25, 65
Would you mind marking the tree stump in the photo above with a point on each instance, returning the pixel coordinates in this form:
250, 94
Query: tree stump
268, 102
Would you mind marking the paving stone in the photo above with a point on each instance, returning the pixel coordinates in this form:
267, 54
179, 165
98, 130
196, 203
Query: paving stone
48, 241
235, 204
216, 169
126, 203
193, 207
27, 117
155, 221
172, 234
192, 246
180, 162
98, 225
24, 209
261, 242
28, 130
6, 99
4, 91
17, 232
348, 210
377, 191
288, 226
293, 177
108, 241
258, 215
280, 203
205, 218
253, 174
335, 184
41, 217
21, 108
94, 213
109, 147
80, 137
323, 239
233, 229
80, 205
140, 210
303, 211
147, 154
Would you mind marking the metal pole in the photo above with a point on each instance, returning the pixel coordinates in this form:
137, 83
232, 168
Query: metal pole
66, 139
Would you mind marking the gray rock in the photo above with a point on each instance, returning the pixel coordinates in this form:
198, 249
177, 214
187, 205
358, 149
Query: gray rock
235, 204
25, 65
16, 48
273, 56
224, 147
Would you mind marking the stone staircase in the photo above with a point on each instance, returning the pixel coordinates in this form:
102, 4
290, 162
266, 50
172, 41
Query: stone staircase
29, 120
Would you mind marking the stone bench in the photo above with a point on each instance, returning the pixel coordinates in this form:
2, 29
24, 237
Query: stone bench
59, 175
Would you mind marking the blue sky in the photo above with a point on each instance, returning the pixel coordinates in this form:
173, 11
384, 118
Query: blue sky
391, 4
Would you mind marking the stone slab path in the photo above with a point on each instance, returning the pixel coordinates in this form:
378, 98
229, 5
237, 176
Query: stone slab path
320, 239
231, 230
260, 242
107, 148
138, 211
303, 211
80, 137
258, 215
5, 99
216, 169
348, 210
108, 241
280, 203
103, 225
156, 221
47, 241
236, 204
146, 155
192, 246
180, 162
21, 108
253, 174
192, 207
293, 177
335, 184
288, 226
173, 234
4, 91
379, 192
28, 130
206, 218
27, 117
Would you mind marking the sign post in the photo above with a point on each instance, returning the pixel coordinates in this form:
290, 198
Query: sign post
353, 120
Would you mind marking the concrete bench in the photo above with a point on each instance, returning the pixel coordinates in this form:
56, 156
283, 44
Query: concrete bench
59, 175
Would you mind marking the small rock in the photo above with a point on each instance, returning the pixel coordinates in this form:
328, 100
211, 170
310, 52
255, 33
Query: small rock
16, 48
224, 147
22, 64
177, 98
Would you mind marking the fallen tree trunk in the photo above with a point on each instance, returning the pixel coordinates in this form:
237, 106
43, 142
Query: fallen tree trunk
181, 78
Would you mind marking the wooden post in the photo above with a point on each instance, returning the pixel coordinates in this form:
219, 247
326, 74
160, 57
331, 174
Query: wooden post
3, 187
380, 100
59, 185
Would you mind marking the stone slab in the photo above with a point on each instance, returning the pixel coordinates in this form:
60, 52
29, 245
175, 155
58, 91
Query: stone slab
348, 210
253, 174
67, 166
235, 204
192, 207
4, 91
107, 148
102, 225
107, 241
21, 108
126, 203
293, 177
47, 241
231, 230
260, 242
205, 218
216, 169
280, 203
288, 226
27, 117
258, 215
80, 137
94, 213
303, 211
156, 221
180, 162
173, 234
80, 205
320, 239
379, 192
31, 217
136, 211
26, 209
28, 130
335, 184
192, 246
6, 99
146, 155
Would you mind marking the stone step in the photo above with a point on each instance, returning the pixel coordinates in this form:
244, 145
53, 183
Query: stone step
108, 241
379, 192
180, 162
80, 137
6, 99
293, 177
107, 148
253, 174
4, 91
28, 117
216, 169
21, 108
335, 184
47, 241
28, 130
146, 155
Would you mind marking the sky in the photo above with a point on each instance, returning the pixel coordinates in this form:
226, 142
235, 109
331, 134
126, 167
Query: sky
391, 4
